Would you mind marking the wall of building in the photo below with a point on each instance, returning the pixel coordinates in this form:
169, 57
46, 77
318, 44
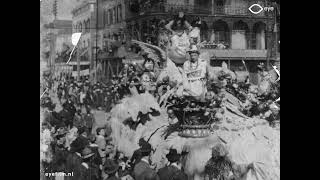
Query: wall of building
61, 40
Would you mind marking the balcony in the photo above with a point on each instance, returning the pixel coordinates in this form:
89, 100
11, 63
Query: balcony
236, 10
246, 54
194, 9
173, 9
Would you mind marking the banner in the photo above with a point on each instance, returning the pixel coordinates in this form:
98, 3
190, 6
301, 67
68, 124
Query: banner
82, 73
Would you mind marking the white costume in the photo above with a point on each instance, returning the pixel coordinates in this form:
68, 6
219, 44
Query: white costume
196, 76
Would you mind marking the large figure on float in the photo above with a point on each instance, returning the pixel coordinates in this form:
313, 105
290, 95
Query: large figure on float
180, 42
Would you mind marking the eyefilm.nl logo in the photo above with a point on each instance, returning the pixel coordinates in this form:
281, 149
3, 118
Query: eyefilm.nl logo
257, 8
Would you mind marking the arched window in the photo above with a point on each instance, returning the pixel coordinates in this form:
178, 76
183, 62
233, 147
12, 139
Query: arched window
88, 25
110, 16
259, 36
221, 32
114, 15
240, 36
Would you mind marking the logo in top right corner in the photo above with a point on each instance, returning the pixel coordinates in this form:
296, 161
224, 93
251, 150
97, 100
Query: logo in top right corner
257, 8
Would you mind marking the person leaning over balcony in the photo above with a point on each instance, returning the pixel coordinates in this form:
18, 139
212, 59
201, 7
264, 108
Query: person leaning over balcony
194, 34
179, 19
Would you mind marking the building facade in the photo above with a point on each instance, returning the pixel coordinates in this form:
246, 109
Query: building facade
59, 35
85, 19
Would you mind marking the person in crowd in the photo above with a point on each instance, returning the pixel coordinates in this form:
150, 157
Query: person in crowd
143, 166
74, 159
174, 168
82, 131
111, 169
60, 92
150, 175
123, 164
82, 97
94, 147
89, 120
230, 170
78, 119
101, 142
88, 170
59, 151
66, 116
136, 157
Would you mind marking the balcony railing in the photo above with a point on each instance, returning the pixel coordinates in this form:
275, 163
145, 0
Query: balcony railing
236, 53
173, 9
235, 10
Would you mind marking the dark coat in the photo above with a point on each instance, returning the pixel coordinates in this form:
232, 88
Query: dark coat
73, 165
168, 172
139, 169
83, 140
92, 173
59, 158
113, 178
88, 120
136, 157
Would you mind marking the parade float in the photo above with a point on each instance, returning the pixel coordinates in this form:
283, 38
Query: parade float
203, 124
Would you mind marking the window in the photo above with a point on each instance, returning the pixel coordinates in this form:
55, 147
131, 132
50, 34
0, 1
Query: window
89, 24
80, 27
120, 12
114, 15
85, 26
106, 18
111, 16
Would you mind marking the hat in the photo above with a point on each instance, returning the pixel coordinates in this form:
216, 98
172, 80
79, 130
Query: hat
110, 167
193, 49
61, 131
82, 129
77, 145
86, 153
173, 155
145, 148
142, 141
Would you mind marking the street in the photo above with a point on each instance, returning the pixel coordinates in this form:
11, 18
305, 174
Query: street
99, 115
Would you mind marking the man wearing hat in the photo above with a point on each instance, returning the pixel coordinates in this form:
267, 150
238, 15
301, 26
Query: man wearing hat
82, 131
74, 159
196, 71
143, 165
173, 169
88, 169
136, 157
111, 169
